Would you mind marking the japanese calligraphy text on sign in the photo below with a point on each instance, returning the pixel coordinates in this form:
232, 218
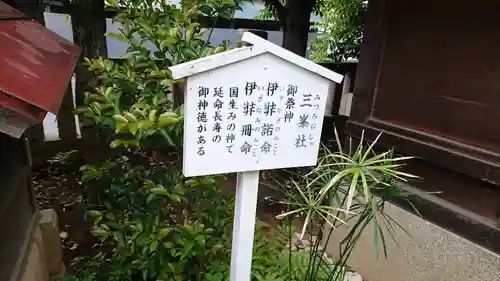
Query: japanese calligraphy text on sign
260, 113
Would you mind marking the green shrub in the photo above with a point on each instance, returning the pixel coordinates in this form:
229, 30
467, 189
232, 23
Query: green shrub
155, 225
152, 223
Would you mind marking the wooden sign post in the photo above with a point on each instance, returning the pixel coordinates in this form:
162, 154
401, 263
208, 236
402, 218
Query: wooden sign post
249, 109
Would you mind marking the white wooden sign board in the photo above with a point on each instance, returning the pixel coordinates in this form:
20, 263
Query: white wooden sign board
249, 109
260, 113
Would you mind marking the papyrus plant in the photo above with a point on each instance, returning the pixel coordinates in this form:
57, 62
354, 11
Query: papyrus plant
349, 186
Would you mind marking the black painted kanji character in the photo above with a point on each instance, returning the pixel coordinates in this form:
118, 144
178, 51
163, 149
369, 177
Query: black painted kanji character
306, 100
218, 104
201, 151
217, 138
288, 116
317, 97
303, 121
232, 104
300, 141
218, 116
271, 88
230, 148
292, 90
217, 127
218, 92
203, 92
248, 108
202, 116
316, 106
314, 116
230, 138
290, 103
265, 148
246, 130
267, 129
257, 120
246, 147
201, 128
201, 140
202, 104
249, 87
269, 108
233, 92
231, 127
231, 116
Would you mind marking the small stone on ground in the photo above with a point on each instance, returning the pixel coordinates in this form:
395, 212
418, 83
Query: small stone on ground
353, 276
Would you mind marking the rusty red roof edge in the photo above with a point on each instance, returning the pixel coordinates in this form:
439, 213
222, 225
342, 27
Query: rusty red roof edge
64, 87
49, 94
21, 107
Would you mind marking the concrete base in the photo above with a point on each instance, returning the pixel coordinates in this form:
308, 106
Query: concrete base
52, 242
431, 253
35, 268
43, 257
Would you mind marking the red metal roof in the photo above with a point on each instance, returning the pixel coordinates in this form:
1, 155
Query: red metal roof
22, 108
36, 64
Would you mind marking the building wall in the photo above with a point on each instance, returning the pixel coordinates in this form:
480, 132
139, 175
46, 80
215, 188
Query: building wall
430, 254
17, 207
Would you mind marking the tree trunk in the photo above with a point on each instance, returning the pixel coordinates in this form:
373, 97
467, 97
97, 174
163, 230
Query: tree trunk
89, 28
297, 23
178, 94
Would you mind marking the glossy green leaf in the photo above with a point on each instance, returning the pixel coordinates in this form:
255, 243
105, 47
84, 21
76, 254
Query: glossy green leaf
164, 121
159, 191
116, 36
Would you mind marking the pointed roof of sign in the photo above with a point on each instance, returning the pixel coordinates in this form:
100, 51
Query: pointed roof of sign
259, 46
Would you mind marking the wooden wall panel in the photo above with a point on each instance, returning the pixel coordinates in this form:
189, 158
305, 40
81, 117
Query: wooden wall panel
440, 73
430, 79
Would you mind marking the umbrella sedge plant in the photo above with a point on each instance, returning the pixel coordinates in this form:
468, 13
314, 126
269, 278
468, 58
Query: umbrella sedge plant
349, 186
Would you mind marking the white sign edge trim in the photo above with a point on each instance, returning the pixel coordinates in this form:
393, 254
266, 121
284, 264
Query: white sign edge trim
260, 46
214, 61
276, 50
